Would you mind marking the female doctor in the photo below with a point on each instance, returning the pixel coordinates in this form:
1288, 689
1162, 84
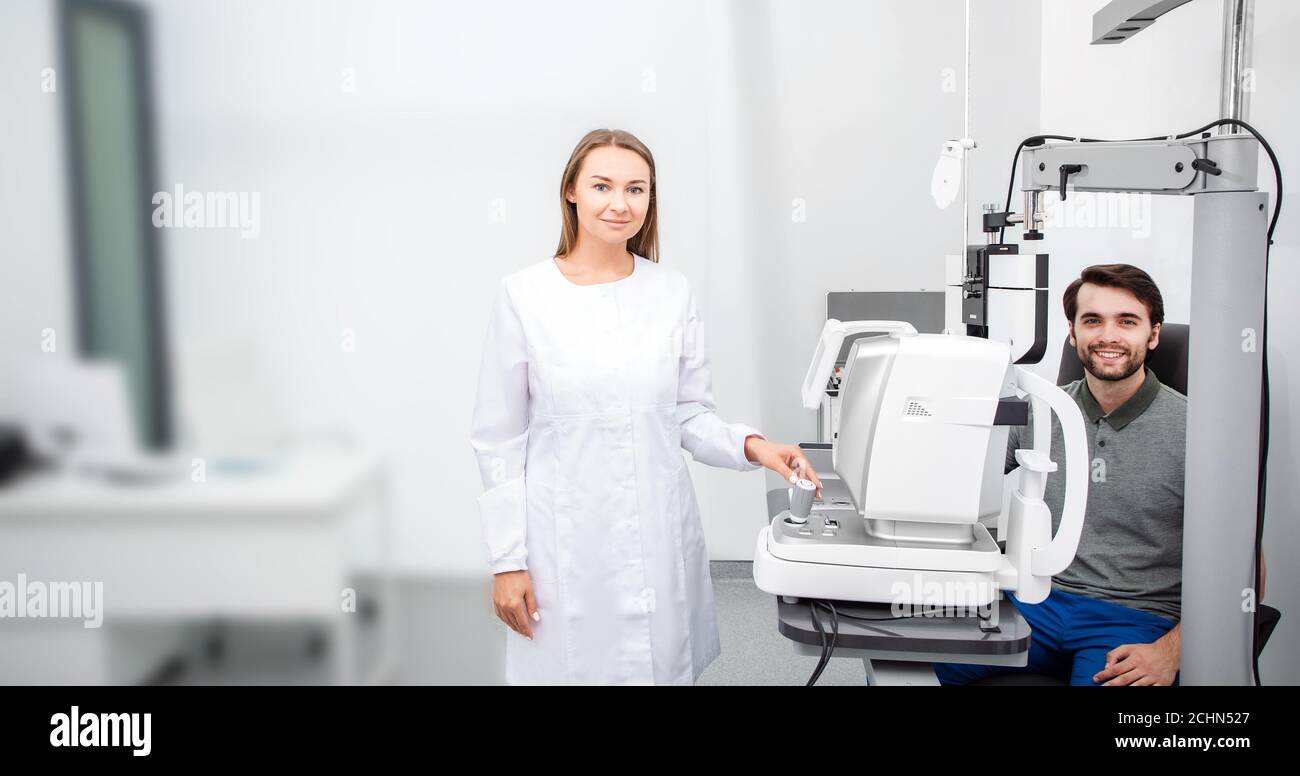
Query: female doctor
594, 377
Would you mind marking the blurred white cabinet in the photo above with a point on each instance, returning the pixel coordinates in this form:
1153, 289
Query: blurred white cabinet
272, 545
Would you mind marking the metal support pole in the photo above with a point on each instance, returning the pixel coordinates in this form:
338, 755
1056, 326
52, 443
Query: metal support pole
1224, 375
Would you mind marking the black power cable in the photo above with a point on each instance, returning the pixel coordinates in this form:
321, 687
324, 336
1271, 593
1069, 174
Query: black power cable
828, 648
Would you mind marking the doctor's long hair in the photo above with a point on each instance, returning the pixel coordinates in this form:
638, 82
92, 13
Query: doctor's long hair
646, 241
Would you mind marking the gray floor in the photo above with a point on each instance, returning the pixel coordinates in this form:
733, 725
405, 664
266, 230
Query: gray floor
471, 651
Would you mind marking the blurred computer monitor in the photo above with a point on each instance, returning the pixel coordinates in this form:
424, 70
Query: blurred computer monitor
111, 164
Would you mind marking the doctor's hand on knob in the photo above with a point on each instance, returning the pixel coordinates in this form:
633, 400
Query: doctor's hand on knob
516, 605
786, 460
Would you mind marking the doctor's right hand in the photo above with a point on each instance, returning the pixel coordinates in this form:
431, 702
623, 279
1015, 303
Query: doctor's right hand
516, 605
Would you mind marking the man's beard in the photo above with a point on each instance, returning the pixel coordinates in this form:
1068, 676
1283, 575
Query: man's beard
1091, 362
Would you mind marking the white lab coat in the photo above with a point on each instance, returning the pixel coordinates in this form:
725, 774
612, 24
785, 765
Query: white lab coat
586, 397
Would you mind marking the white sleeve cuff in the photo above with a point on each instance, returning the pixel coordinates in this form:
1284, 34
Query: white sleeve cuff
511, 563
746, 432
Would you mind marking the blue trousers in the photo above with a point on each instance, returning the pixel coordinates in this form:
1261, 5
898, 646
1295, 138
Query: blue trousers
1071, 636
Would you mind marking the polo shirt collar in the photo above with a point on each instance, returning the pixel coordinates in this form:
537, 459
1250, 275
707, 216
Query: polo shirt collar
1127, 412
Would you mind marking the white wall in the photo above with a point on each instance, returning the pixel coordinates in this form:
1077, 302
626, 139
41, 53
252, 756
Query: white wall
35, 286
1166, 80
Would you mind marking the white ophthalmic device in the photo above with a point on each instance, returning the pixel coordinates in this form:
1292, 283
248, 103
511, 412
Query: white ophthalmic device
921, 445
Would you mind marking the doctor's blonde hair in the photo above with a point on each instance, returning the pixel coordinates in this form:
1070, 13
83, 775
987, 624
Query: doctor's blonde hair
646, 241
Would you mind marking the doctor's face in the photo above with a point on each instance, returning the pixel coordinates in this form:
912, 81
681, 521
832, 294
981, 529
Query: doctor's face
1112, 331
612, 194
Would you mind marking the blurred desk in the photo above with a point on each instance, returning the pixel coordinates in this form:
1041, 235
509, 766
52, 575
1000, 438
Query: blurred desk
273, 544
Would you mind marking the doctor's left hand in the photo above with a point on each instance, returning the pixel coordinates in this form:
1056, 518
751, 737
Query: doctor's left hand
786, 460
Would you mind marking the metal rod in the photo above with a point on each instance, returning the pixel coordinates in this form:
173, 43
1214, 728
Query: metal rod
1238, 37
965, 152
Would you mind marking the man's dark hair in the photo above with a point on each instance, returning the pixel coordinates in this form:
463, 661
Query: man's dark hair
1125, 276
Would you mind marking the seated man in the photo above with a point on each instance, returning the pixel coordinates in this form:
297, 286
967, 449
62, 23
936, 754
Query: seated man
1112, 616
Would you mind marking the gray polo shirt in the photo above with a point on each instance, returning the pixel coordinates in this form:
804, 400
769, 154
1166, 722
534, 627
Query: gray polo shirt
1131, 549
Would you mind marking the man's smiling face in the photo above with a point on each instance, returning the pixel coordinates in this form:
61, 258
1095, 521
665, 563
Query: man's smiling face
1112, 331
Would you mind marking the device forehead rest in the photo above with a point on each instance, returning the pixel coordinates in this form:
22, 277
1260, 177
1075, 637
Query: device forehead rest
828, 349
